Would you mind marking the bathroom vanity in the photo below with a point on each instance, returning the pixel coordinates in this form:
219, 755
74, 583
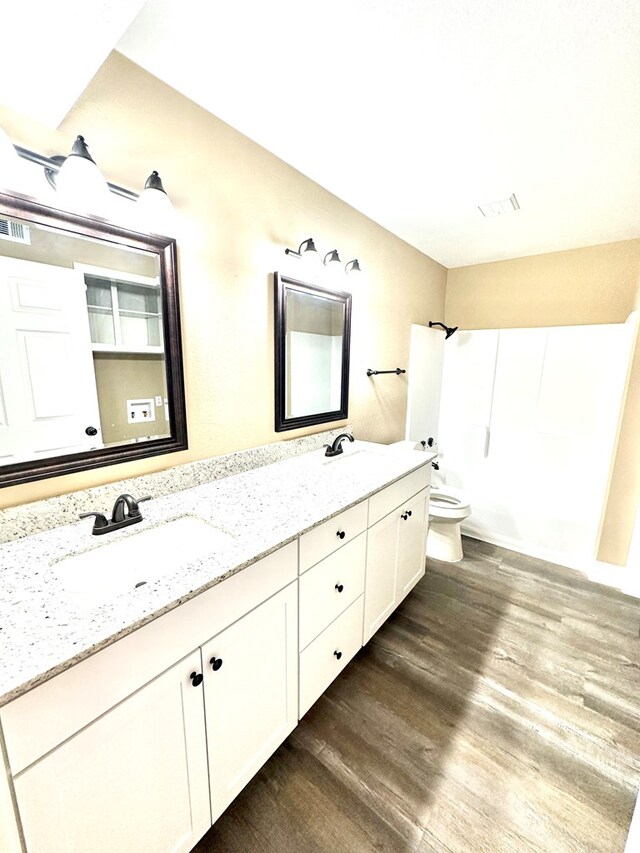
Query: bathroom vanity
131, 724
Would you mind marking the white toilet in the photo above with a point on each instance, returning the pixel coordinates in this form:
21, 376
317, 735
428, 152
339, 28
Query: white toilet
448, 507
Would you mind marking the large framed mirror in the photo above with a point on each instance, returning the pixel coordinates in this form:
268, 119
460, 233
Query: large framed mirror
90, 347
312, 345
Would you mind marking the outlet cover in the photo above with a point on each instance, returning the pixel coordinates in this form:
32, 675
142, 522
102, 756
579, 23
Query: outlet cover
140, 411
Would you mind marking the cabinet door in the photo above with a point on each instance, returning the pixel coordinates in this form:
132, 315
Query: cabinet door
380, 581
411, 544
135, 779
251, 695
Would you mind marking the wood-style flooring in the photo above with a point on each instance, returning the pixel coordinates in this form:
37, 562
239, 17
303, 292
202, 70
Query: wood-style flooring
497, 711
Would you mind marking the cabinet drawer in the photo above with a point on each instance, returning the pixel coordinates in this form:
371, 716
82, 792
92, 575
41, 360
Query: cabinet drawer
397, 493
41, 719
330, 587
326, 538
319, 662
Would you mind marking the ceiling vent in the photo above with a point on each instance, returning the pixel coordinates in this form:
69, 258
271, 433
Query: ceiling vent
499, 208
16, 232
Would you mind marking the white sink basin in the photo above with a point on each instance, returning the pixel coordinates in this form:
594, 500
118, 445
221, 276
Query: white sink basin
98, 575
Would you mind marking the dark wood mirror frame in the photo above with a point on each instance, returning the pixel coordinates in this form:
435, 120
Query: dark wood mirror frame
282, 422
165, 248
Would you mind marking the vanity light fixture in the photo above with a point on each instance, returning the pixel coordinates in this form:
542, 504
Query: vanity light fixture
78, 180
304, 249
307, 249
154, 205
331, 257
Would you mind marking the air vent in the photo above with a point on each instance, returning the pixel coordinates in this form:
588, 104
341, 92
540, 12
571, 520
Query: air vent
499, 208
16, 232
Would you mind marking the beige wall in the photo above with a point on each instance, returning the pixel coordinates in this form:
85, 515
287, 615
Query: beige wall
598, 284
238, 208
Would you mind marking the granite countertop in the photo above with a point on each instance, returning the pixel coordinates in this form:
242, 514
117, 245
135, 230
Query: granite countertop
43, 630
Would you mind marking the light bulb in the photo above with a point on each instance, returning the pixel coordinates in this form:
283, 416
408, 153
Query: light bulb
80, 184
155, 211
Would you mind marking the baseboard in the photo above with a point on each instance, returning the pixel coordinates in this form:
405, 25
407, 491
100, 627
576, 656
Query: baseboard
621, 578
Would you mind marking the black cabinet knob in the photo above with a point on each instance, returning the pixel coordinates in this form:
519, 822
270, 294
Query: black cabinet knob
216, 663
196, 678
409, 513
339, 587
341, 534
404, 516
91, 430
338, 655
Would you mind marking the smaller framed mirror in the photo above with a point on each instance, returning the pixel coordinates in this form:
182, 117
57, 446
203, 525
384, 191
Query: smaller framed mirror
312, 341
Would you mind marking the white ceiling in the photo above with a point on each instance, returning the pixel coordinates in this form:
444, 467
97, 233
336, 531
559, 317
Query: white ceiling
416, 111
50, 52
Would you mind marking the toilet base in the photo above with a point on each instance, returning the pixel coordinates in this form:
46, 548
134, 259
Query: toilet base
444, 541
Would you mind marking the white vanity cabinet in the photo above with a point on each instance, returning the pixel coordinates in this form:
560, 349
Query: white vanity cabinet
134, 779
113, 754
331, 599
412, 533
398, 519
142, 745
352, 588
250, 693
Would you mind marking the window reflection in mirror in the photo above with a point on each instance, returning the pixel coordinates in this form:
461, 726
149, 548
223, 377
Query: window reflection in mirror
84, 368
312, 328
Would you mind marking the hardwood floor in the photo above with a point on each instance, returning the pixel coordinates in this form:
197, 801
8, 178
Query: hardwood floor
497, 710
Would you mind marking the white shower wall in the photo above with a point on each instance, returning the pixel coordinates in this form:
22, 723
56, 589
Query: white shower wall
527, 427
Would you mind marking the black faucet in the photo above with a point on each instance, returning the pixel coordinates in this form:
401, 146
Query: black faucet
335, 449
125, 512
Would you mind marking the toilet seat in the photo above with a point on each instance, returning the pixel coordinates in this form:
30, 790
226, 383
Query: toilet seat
448, 503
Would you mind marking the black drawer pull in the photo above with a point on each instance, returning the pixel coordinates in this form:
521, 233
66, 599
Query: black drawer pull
216, 663
409, 513
404, 516
338, 655
339, 587
196, 678
341, 534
